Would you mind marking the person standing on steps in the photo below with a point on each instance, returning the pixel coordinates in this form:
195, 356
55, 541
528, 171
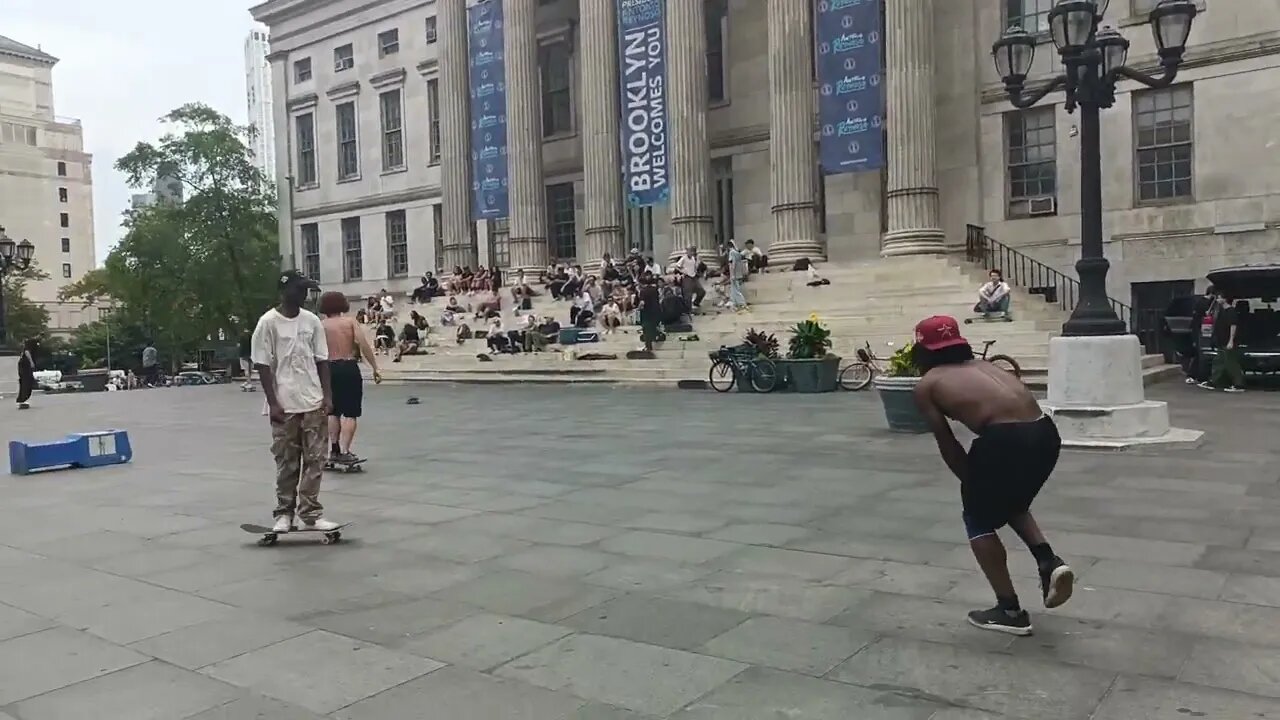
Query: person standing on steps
1015, 452
291, 354
347, 342
26, 373
690, 283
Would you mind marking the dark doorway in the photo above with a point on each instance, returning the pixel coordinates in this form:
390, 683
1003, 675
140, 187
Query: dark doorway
1150, 300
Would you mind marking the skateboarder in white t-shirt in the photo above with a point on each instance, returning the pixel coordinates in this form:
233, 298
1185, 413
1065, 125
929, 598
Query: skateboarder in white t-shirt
292, 358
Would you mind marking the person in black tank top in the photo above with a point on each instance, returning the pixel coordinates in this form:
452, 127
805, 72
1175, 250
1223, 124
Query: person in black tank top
26, 373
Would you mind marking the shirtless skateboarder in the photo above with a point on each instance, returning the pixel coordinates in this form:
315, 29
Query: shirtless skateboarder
1007, 464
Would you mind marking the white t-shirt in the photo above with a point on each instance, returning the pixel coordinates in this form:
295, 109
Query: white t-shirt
388, 303
688, 266
291, 347
584, 302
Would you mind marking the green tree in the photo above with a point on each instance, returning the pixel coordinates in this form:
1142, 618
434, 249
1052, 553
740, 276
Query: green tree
186, 271
23, 318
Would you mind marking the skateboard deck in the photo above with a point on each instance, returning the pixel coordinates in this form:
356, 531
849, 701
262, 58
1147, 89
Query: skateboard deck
353, 467
270, 536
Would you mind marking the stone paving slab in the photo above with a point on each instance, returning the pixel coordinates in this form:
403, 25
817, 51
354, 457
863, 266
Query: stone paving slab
683, 568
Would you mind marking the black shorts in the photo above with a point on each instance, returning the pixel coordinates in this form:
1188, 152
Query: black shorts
348, 388
1008, 464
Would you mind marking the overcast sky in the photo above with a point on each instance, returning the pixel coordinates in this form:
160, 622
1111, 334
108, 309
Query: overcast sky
123, 64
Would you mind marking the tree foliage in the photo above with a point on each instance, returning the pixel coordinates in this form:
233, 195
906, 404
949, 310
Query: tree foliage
23, 318
186, 271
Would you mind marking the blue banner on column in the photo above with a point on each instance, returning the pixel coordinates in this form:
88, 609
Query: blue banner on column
851, 85
488, 75
642, 63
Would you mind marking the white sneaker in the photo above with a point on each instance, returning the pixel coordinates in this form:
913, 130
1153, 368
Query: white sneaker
320, 524
284, 524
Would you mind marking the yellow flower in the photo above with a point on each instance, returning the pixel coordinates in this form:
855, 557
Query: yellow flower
813, 317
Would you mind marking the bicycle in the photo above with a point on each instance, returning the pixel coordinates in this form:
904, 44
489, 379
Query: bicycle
729, 364
858, 375
1004, 362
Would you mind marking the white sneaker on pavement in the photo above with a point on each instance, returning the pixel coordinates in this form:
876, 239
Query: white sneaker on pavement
320, 524
283, 524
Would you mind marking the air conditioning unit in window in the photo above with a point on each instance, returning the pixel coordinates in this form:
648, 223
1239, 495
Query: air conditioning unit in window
1042, 206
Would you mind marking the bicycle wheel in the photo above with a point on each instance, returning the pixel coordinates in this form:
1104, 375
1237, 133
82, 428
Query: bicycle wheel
764, 375
856, 376
721, 376
1006, 363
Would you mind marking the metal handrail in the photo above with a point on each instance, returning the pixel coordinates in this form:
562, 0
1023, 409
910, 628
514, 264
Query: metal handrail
1031, 274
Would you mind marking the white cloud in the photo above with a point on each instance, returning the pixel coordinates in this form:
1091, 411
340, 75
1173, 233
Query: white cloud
125, 63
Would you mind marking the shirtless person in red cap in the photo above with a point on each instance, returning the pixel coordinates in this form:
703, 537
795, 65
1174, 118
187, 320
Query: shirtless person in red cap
1007, 464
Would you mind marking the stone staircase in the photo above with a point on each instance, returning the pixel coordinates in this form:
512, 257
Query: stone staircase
876, 302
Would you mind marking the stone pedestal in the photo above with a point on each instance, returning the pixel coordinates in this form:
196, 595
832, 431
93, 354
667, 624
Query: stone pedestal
600, 133
1097, 398
909, 120
691, 223
458, 231
792, 158
528, 227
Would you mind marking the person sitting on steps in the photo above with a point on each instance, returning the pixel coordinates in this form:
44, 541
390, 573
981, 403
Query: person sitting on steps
993, 296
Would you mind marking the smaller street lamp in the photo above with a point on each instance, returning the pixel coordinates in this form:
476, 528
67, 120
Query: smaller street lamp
13, 256
1093, 56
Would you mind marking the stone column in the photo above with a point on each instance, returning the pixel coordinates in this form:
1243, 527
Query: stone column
910, 118
691, 223
792, 160
455, 137
600, 134
528, 238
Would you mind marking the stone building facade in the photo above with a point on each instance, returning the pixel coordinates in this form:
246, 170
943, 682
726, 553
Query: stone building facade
373, 152
46, 180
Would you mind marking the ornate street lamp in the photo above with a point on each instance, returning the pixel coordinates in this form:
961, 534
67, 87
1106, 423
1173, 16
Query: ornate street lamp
13, 256
1093, 57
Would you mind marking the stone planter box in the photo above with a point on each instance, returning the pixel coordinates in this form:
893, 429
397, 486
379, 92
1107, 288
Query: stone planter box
897, 394
810, 376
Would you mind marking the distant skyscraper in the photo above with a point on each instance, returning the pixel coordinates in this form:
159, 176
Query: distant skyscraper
167, 189
257, 82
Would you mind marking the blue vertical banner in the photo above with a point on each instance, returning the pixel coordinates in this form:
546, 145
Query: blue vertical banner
642, 64
488, 79
849, 41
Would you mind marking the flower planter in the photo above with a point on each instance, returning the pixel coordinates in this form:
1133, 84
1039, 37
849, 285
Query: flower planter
897, 394
818, 375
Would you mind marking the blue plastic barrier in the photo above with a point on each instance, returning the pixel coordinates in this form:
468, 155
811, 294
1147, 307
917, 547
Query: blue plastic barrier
80, 450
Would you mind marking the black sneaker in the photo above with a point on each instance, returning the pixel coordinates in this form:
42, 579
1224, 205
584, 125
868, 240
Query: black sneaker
1057, 580
1013, 622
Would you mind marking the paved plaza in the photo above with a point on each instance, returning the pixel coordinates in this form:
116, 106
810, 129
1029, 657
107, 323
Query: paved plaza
596, 553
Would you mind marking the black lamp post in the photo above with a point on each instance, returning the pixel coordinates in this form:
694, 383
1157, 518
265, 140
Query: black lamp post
13, 256
1093, 56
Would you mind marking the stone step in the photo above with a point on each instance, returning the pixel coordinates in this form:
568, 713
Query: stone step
1036, 378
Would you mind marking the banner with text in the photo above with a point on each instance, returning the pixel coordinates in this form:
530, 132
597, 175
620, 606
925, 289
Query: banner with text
642, 63
851, 86
488, 76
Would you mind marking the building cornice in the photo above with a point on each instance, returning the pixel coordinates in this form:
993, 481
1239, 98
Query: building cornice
303, 102
275, 11
1206, 55
345, 90
429, 67
390, 78
349, 206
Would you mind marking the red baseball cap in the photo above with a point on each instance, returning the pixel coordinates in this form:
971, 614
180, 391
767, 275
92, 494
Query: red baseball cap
938, 332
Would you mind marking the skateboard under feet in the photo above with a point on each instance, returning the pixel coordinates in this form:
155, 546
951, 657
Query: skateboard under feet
270, 536
345, 467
